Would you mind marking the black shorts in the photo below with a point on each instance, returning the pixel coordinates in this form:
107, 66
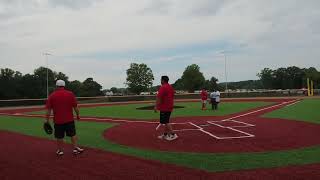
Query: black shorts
61, 129
164, 117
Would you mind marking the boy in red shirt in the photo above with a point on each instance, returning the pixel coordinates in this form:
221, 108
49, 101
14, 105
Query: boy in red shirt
62, 103
164, 103
204, 98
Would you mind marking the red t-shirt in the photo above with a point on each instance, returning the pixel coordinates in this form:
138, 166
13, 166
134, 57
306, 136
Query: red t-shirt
204, 95
62, 103
166, 96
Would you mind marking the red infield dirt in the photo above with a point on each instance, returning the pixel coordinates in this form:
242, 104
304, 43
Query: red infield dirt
270, 135
241, 132
25, 157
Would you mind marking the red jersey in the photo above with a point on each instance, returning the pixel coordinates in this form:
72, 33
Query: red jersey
204, 95
62, 103
166, 96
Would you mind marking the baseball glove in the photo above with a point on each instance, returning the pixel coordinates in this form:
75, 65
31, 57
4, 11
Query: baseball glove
47, 128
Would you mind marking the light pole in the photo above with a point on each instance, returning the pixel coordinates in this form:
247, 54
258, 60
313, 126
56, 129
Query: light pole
47, 64
225, 69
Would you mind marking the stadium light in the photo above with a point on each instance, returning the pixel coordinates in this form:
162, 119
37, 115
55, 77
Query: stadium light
47, 64
225, 68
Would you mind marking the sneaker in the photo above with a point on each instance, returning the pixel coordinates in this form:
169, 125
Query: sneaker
171, 137
59, 153
161, 136
77, 150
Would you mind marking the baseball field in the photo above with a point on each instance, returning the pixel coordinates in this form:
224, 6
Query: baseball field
244, 139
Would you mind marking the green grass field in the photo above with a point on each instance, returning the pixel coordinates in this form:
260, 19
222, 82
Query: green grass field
191, 109
307, 110
90, 134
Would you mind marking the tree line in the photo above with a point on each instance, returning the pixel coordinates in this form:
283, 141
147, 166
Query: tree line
288, 78
140, 78
14, 85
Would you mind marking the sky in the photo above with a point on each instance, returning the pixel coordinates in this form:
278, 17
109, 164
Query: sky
100, 38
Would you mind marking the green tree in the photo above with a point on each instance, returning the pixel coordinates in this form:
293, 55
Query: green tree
91, 88
287, 78
178, 85
154, 89
9, 80
61, 76
295, 77
139, 78
192, 79
29, 87
114, 90
211, 84
280, 77
267, 78
75, 87
248, 85
313, 74
40, 75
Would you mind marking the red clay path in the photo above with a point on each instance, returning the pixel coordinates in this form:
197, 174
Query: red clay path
25, 157
270, 134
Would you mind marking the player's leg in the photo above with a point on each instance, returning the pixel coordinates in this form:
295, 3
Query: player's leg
71, 132
163, 122
212, 103
171, 135
59, 135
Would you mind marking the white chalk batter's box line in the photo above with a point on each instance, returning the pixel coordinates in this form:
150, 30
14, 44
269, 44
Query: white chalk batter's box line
215, 123
246, 135
239, 122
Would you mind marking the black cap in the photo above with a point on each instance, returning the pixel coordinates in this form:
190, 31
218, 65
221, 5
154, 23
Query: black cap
165, 78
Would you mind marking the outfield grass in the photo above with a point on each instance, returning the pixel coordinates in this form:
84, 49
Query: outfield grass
306, 110
90, 134
191, 109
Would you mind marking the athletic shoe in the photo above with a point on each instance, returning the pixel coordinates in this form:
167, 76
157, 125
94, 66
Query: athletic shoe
77, 150
59, 153
171, 137
161, 136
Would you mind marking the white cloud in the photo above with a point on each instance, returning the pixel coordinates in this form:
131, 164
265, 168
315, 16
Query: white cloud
272, 33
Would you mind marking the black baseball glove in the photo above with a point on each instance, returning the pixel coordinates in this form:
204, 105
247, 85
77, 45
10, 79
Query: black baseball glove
47, 128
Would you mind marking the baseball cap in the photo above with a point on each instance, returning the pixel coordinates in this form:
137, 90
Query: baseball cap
60, 83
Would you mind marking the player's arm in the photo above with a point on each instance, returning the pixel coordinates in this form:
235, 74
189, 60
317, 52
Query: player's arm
48, 114
158, 102
49, 110
75, 107
158, 99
